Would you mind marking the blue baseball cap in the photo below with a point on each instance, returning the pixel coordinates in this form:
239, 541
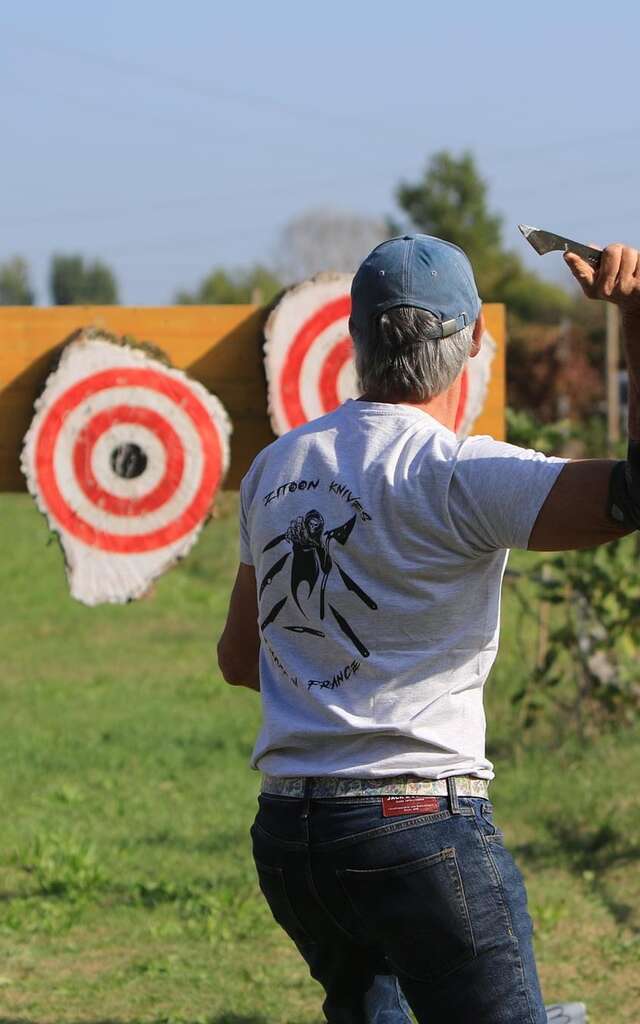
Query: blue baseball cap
415, 270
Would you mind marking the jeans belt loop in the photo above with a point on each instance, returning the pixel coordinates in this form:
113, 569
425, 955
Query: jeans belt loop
452, 793
306, 795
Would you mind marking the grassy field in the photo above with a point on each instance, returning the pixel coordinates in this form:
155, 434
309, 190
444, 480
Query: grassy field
127, 890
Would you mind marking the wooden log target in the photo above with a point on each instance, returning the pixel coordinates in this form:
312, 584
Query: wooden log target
124, 457
308, 352
309, 360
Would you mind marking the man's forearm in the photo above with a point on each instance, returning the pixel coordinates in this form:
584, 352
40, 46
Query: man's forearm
237, 666
253, 680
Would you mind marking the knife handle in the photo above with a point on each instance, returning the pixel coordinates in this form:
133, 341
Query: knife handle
592, 256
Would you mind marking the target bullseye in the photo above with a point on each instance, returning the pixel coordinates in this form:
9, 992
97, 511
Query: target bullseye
128, 460
122, 461
125, 457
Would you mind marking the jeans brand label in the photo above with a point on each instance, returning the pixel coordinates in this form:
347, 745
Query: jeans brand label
393, 805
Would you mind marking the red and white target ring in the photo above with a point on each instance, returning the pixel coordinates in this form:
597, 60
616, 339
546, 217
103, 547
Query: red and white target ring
309, 353
474, 386
309, 358
463, 399
97, 429
124, 456
334, 350
52, 485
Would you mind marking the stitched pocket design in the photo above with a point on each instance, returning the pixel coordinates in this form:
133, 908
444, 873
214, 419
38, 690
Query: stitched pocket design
273, 886
417, 913
490, 829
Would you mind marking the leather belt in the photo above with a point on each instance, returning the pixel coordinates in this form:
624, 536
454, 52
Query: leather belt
396, 785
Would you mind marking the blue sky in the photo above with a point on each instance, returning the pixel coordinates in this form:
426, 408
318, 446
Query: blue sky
168, 138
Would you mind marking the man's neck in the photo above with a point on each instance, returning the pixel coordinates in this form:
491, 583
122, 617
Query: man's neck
443, 408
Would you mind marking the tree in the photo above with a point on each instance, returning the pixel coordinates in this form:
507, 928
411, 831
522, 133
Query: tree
450, 201
15, 288
222, 287
550, 374
325, 239
76, 283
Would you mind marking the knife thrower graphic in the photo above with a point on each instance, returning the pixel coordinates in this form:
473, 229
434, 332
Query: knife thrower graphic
312, 560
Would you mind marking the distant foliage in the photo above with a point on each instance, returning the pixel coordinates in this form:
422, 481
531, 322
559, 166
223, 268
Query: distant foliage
15, 287
76, 283
227, 287
589, 675
327, 239
450, 201
555, 372
533, 299
570, 438
527, 432
588, 672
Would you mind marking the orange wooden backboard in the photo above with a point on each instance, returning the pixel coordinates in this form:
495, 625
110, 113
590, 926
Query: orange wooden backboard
221, 346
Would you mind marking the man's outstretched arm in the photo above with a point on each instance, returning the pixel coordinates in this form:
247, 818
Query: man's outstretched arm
574, 515
576, 512
239, 645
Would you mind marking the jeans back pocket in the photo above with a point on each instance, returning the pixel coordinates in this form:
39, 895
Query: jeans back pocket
416, 912
274, 889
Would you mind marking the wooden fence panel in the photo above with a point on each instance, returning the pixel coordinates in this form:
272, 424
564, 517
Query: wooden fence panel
221, 346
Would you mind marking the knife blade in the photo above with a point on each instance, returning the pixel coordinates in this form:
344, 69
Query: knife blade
546, 241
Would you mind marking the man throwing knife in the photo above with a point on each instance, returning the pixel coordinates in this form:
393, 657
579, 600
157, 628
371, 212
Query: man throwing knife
366, 611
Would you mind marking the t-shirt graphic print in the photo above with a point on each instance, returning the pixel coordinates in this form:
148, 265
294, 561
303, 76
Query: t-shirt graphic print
379, 542
312, 561
305, 586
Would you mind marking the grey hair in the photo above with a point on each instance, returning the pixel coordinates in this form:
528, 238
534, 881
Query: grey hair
401, 362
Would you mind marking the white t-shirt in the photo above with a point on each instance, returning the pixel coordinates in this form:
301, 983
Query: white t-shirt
379, 542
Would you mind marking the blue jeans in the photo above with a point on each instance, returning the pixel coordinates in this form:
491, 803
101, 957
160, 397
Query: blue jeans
433, 902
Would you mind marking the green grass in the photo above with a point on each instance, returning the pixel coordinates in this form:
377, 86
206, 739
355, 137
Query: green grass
127, 890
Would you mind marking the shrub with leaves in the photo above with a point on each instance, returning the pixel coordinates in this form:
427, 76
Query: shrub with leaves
524, 430
590, 672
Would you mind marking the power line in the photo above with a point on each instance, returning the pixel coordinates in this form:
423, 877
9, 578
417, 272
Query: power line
207, 90
566, 143
118, 113
212, 198
98, 246
215, 90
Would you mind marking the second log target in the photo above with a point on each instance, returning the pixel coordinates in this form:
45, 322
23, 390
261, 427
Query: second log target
309, 360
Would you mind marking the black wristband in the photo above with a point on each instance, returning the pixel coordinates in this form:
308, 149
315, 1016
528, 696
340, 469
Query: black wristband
623, 503
633, 470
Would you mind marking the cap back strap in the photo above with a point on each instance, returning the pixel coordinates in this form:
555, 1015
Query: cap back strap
453, 326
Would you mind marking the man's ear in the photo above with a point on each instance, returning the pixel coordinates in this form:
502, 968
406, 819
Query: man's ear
478, 331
